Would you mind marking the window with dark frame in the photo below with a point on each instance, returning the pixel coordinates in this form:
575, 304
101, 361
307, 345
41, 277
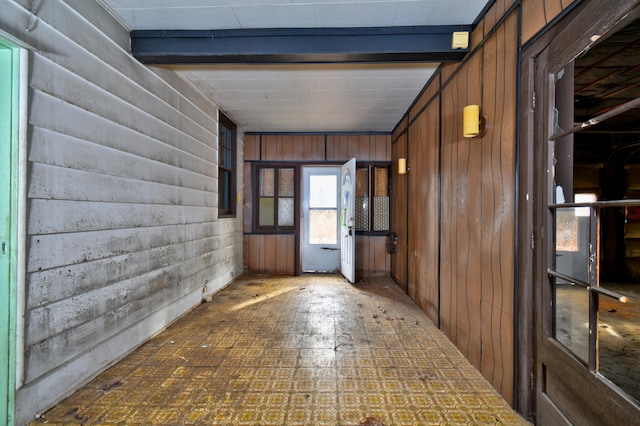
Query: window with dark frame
276, 189
226, 167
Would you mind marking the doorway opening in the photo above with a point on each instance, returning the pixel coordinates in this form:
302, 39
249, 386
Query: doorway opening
320, 219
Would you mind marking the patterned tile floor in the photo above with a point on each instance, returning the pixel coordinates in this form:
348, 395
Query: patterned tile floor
310, 350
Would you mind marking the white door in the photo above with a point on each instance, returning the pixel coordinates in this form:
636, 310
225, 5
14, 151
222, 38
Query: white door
347, 220
320, 225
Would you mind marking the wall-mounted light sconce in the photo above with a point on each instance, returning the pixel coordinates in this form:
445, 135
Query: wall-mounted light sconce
475, 125
402, 166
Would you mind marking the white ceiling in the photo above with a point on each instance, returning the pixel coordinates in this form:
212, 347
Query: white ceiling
303, 97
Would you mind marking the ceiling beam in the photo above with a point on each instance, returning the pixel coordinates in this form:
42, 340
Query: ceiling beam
298, 45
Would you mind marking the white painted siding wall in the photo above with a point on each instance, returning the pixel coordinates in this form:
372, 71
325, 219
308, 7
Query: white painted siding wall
122, 198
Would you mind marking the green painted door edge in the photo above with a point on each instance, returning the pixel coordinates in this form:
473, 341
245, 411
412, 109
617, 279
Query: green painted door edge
9, 115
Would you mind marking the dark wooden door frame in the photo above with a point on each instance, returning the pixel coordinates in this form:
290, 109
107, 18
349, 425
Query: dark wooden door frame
536, 351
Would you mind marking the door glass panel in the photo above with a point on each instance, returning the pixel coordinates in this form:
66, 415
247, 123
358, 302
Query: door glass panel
572, 243
572, 318
322, 226
323, 191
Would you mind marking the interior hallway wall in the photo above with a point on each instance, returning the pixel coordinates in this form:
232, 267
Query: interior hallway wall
122, 228
461, 192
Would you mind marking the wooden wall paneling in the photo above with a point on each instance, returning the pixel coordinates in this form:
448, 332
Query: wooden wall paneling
477, 35
533, 18
424, 97
280, 248
347, 149
271, 247
422, 207
498, 210
291, 255
269, 147
362, 255
552, 8
400, 127
567, 3
431, 193
252, 260
313, 148
473, 171
270, 254
365, 147
298, 148
286, 153
399, 212
251, 147
418, 106
490, 18
448, 291
382, 261
332, 142
381, 146
447, 70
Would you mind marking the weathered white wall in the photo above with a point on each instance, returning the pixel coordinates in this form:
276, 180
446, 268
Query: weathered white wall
122, 198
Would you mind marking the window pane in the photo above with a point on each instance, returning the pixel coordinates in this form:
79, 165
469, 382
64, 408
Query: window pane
572, 244
572, 318
285, 212
362, 213
323, 191
223, 190
381, 181
362, 199
380, 213
323, 227
285, 183
267, 212
267, 182
362, 182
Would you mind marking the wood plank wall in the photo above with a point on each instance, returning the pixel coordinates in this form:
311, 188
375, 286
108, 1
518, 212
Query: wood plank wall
537, 14
372, 258
122, 228
459, 257
399, 209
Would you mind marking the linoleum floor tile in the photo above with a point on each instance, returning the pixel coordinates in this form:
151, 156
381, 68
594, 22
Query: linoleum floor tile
310, 350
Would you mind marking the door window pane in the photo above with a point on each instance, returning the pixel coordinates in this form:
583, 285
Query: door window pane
572, 244
323, 192
572, 318
323, 227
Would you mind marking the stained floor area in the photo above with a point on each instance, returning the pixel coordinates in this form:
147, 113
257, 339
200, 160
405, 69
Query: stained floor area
310, 350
